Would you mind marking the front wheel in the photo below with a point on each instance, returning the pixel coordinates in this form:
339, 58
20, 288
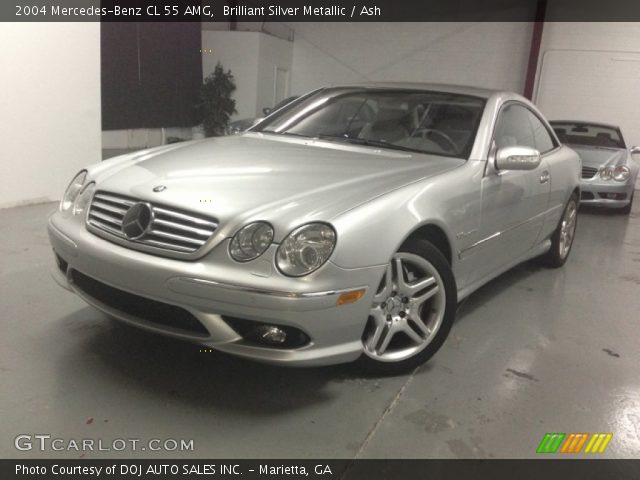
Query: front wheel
412, 311
562, 238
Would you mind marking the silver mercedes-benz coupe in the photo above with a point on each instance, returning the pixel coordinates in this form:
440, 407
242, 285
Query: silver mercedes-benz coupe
608, 172
347, 225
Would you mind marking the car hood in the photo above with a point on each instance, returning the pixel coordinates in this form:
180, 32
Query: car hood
600, 157
286, 181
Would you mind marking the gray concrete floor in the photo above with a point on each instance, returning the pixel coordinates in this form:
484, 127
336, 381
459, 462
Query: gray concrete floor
534, 351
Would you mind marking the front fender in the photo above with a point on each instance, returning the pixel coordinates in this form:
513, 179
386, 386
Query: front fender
372, 233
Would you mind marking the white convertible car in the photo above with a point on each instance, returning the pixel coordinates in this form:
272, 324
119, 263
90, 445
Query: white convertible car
608, 172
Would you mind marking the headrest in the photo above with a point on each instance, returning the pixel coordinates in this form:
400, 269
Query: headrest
387, 114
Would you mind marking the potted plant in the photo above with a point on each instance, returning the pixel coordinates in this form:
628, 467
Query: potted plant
216, 105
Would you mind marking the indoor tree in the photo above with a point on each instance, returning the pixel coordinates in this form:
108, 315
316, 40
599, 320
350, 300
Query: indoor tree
216, 105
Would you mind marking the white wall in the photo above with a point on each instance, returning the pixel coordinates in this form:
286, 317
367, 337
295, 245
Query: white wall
49, 107
622, 36
143, 137
238, 52
481, 54
591, 71
274, 53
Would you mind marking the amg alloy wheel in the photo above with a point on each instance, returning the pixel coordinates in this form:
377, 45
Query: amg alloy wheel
562, 238
568, 229
412, 310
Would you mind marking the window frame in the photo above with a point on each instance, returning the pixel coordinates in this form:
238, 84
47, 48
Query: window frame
550, 132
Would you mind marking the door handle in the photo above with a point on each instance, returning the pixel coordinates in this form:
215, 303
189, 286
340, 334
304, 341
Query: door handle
544, 177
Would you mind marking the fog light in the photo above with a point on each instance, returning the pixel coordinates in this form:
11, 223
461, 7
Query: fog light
613, 196
350, 297
268, 334
271, 335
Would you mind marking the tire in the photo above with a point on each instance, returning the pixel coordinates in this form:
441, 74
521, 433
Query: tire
564, 232
627, 210
411, 317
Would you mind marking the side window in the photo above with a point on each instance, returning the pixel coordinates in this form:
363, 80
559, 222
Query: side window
544, 141
514, 127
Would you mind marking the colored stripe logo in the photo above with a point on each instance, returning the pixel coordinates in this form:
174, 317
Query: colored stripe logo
550, 442
574, 443
598, 443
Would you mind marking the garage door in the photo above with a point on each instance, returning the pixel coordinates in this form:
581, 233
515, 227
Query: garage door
592, 85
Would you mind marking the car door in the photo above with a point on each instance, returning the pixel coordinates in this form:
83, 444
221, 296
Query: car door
513, 202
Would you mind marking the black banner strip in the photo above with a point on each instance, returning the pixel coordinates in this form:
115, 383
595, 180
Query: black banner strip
235, 11
544, 468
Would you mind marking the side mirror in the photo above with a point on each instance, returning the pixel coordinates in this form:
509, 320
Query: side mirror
517, 158
635, 150
266, 111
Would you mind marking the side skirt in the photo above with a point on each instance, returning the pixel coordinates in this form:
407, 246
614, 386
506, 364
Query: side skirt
534, 252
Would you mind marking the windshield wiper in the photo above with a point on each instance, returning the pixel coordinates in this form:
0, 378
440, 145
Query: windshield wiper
369, 142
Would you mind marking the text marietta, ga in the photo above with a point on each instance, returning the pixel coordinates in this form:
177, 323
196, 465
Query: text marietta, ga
166, 469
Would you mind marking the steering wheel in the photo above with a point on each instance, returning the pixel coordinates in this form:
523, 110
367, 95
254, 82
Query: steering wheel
448, 144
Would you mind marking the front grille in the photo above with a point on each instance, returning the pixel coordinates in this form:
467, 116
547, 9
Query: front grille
170, 229
589, 172
151, 311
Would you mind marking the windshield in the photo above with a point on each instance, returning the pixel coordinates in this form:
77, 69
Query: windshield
281, 104
421, 121
588, 135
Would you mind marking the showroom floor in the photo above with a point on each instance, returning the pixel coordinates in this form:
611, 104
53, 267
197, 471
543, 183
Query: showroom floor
534, 351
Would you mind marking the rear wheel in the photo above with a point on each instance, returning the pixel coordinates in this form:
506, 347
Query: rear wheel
562, 238
412, 311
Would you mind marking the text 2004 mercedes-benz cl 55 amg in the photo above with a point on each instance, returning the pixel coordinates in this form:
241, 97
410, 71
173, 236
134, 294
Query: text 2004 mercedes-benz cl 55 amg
346, 225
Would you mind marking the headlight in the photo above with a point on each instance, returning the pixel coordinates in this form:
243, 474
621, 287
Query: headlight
72, 191
83, 199
251, 241
306, 249
621, 173
606, 173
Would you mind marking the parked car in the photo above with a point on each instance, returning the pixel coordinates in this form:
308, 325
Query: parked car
608, 172
347, 225
243, 124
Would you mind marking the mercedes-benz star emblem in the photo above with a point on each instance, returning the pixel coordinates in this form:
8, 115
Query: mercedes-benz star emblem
137, 220
159, 188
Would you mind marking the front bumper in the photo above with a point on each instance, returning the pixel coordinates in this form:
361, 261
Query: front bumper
601, 193
215, 288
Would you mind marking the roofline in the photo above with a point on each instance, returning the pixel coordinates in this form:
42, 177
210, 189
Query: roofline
584, 122
484, 93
